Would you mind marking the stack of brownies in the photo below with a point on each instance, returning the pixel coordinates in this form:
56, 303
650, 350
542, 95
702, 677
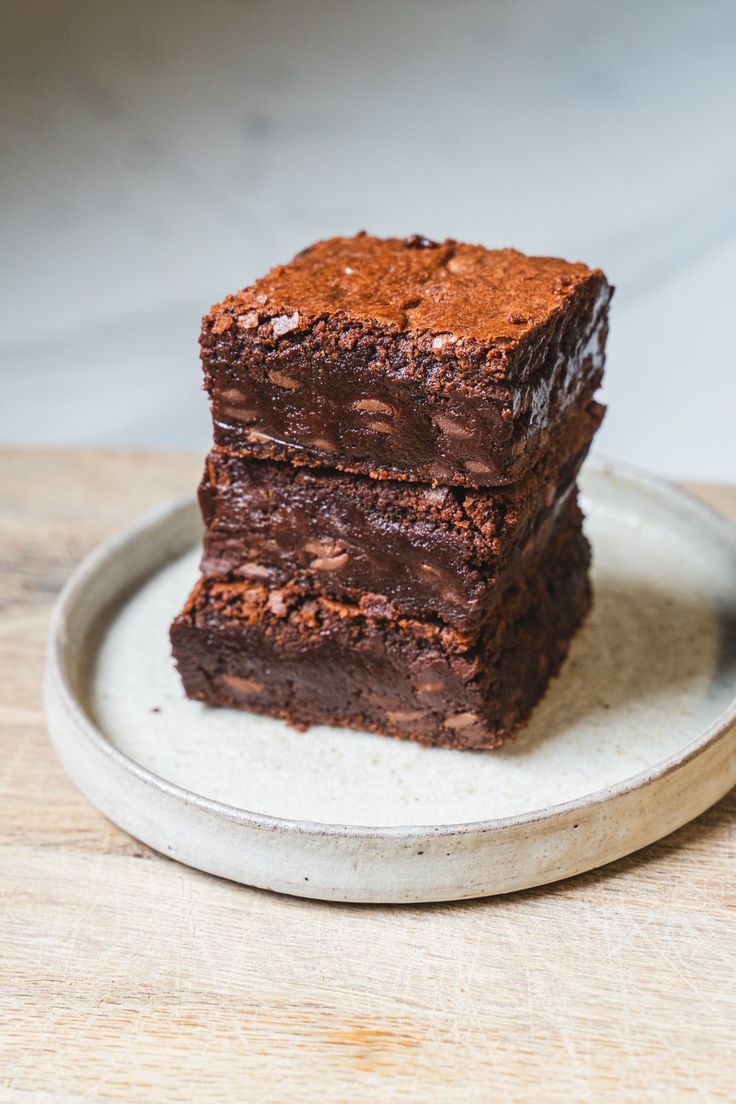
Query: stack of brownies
393, 539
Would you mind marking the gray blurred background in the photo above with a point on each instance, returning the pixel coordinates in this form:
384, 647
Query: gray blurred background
156, 155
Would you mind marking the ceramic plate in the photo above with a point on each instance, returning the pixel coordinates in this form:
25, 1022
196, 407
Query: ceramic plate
634, 738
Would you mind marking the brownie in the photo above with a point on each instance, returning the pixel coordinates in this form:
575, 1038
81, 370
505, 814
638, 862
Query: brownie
314, 660
407, 548
406, 359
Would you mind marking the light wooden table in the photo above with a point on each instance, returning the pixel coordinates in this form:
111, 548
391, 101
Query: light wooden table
126, 977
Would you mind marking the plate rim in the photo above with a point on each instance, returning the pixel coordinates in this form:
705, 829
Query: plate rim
57, 681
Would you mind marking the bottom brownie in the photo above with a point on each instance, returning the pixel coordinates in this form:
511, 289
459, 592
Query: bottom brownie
313, 660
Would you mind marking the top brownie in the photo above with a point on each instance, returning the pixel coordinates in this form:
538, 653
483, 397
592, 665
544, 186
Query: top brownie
406, 359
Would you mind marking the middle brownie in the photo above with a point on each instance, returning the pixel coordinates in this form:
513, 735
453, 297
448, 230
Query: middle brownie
388, 546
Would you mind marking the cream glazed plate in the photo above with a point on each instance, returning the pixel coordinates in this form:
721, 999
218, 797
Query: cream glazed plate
635, 737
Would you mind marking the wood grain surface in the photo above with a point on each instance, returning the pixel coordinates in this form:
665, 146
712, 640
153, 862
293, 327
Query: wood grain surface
126, 977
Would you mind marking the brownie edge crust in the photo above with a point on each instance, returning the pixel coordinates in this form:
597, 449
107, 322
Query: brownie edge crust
312, 660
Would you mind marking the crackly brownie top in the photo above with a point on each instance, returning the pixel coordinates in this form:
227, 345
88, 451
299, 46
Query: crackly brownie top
492, 296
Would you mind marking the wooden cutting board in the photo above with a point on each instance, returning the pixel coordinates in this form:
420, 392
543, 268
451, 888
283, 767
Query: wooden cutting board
126, 977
